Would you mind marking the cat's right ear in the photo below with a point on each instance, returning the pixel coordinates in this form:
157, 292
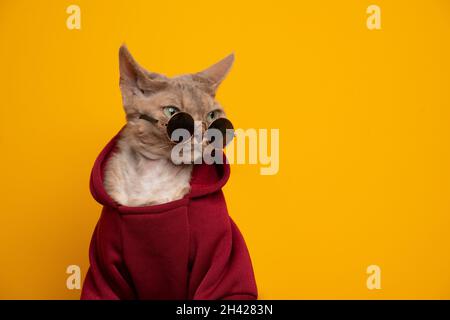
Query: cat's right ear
135, 80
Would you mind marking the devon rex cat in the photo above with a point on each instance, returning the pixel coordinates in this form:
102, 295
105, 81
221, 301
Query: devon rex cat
164, 232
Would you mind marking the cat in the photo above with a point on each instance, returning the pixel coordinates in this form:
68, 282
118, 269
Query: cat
141, 172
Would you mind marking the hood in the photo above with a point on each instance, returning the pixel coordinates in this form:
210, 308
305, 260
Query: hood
206, 179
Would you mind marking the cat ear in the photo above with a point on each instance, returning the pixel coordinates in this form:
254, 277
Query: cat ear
134, 79
217, 72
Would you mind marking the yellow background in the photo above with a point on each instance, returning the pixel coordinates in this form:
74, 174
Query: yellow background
364, 135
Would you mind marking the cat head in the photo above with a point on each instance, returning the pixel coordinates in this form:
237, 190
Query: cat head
151, 99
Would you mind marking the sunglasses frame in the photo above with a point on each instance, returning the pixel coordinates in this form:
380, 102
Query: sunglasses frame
189, 118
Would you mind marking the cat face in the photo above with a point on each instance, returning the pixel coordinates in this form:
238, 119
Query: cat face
151, 99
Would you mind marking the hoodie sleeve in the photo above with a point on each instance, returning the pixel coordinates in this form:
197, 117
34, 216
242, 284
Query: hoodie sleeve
230, 273
107, 277
222, 268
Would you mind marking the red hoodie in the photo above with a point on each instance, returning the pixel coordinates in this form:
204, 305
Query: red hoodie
185, 249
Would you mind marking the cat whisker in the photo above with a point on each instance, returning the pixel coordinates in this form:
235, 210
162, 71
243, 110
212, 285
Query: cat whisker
163, 147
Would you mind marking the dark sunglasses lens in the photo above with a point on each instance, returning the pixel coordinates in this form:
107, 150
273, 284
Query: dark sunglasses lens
226, 129
180, 120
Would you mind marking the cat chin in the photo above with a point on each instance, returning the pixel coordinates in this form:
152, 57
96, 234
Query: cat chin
147, 151
154, 156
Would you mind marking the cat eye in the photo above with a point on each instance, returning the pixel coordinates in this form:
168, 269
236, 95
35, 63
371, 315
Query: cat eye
170, 111
213, 115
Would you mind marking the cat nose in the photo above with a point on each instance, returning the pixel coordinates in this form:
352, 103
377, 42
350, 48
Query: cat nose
200, 126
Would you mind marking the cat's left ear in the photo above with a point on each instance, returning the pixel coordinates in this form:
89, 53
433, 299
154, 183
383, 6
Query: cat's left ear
215, 74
